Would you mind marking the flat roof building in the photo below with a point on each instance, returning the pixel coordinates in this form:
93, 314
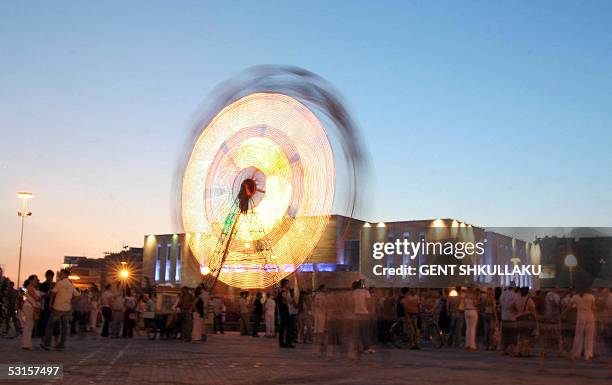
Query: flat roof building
86, 271
347, 246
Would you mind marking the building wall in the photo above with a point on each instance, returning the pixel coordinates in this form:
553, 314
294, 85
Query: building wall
499, 250
161, 252
331, 247
507, 251
112, 266
346, 245
102, 271
442, 230
167, 260
593, 255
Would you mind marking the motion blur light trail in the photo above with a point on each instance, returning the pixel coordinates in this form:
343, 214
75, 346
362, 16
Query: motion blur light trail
276, 142
259, 184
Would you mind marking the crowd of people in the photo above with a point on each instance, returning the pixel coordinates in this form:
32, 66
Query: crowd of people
515, 321
53, 308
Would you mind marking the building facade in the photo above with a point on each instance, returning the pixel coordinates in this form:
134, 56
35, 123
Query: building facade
592, 255
345, 250
168, 261
428, 264
98, 272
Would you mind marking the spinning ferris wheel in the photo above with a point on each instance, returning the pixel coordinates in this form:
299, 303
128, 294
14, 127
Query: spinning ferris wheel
257, 189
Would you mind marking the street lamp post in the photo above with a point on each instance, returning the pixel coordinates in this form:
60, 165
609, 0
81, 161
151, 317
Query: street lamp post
23, 213
571, 263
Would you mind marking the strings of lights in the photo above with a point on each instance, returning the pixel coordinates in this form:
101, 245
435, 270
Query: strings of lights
273, 151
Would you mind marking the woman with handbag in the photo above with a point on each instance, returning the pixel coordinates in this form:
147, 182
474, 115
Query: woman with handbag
94, 308
30, 311
526, 322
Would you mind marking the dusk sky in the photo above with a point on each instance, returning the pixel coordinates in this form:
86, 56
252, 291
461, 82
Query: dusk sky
495, 113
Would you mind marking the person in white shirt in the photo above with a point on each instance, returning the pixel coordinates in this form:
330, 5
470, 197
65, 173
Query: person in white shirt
320, 316
507, 302
360, 297
585, 325
62, 294
552, 303
270, 313
471, 318
31, 305
244, 314
107, 313
605, 320
117, 307
94, 308
565, 301
293, 315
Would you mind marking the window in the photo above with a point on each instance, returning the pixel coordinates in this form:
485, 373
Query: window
158, 262
351, 253
167, 272
406, 257
177, 269
422, 256
390, 257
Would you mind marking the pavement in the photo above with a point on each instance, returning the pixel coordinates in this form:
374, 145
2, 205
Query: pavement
231, 359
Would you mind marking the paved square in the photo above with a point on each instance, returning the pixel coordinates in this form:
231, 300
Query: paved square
231, 359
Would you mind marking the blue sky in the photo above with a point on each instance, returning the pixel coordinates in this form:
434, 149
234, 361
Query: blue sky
496, 113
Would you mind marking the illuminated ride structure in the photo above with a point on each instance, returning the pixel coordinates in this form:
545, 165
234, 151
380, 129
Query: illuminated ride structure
258, 187
258, 190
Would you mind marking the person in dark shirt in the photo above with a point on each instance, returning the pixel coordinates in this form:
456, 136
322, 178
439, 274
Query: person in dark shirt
11, 302
186, 303
257, 314
400, 313
45, 311
282, 301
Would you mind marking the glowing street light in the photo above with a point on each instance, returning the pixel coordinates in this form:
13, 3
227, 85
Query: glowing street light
571, 262
124, 273
23, 213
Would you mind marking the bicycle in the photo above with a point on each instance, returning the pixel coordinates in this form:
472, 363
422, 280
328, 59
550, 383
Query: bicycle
166, 325
399, 337
432, 330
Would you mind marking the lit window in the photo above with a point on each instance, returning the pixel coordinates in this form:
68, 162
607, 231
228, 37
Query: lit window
167, 272
177, 270
158, 262
390, 257
406, 257
422, 256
